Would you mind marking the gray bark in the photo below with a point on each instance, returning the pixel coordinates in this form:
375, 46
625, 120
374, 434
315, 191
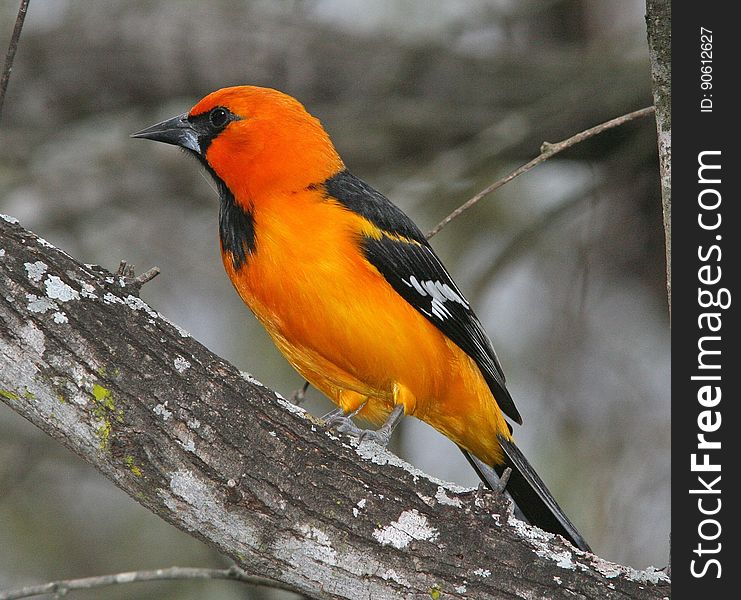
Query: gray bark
659, 25
220, 456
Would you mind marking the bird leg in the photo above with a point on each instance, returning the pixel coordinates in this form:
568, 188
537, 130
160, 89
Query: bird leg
338, 420
382, 435
489, 477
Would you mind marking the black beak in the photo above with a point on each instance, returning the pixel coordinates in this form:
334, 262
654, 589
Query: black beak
177, 131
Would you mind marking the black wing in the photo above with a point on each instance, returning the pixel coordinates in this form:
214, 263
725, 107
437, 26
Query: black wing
410, 265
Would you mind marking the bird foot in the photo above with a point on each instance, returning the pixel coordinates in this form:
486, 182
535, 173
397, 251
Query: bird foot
343, 423
381, 436
338, 420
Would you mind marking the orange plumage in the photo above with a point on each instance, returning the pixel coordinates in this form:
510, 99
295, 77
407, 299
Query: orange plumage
329, 311
346, 285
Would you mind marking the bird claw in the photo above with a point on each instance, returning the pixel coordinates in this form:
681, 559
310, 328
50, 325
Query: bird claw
343, 423
381, 436
338, 420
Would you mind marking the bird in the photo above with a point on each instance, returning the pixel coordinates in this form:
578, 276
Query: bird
351, 291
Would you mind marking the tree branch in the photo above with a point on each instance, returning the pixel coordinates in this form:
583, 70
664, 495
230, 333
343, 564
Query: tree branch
12, 47
547, 150
659, 30
218, 455
173, 573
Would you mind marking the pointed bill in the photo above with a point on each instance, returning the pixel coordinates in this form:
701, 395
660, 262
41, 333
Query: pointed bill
177, 131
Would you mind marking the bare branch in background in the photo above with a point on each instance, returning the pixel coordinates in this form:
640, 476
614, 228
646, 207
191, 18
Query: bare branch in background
173, 573
10, 56
546, 151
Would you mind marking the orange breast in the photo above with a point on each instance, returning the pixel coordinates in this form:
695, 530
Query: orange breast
344, 328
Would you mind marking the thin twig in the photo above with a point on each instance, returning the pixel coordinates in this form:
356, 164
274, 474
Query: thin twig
127, 271
233, 573
147, 275
10, 56
546, 151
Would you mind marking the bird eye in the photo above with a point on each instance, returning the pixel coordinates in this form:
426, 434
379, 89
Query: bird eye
218, 117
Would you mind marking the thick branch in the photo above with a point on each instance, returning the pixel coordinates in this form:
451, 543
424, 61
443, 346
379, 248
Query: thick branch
216, 454
659, 27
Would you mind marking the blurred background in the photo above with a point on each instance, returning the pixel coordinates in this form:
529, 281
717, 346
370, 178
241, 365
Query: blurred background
429, 102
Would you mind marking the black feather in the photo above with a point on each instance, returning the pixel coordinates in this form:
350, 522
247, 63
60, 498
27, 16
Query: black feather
236, 229
236, 225
533, 497
407, 262
357, 196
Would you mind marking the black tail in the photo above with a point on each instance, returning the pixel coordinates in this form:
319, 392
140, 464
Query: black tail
530, 495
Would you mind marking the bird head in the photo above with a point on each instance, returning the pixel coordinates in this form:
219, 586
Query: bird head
255, 140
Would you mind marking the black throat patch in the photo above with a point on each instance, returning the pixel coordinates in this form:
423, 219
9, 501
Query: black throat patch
236, 230
236, 225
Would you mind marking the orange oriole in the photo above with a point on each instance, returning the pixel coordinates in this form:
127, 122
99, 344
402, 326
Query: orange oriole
349, 288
